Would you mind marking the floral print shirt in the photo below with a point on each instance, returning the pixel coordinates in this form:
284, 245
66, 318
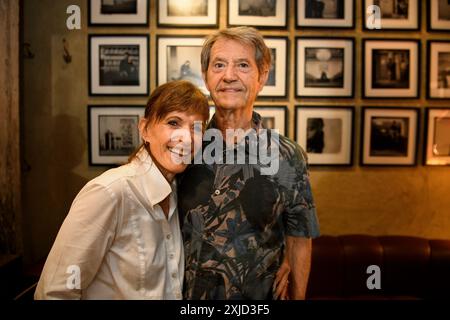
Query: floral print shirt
236, 220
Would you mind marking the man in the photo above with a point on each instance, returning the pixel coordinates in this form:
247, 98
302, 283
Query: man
239, 224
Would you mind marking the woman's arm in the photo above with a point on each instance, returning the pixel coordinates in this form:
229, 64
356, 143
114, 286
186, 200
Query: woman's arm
80, 246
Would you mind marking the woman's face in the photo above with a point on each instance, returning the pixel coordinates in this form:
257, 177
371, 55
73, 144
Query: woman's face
171, 141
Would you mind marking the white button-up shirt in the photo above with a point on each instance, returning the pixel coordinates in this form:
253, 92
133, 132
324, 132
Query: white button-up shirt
116, 242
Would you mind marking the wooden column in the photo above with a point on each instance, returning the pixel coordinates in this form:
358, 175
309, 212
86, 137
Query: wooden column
10, 217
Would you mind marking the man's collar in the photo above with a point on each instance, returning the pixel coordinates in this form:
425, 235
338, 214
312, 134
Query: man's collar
256, 122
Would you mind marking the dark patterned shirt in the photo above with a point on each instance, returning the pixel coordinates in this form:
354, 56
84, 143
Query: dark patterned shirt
236, 220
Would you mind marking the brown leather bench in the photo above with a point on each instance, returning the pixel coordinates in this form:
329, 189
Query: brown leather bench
410, 267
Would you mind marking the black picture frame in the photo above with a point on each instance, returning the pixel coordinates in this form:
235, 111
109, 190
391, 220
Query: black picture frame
434, 22
114, 18
413, 13
184, 49
277, 86
322, 49
390, 81
209, 18
438, 85
307, 18
265, 19
432, 149
394, 140
332, 130
274, 117
107, 127
107, 77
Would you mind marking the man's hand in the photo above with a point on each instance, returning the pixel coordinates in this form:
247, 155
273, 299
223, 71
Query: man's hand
281, 283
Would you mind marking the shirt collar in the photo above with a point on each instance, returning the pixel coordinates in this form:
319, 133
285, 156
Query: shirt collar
154, 185
256, 122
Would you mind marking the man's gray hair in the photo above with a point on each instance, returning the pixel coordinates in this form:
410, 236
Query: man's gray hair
244, 35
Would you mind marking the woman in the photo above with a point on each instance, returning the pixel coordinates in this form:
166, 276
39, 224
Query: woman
122, 238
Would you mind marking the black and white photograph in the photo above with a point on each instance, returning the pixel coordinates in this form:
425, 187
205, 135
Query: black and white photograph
118, 12
437, 139
438, 15
195, 13
273, 117
260, 13
326, 134
389, 136
324, 67
391, 68
179, 59
276, 85
325, 13
393, 14
118, 65
438, 69
113, 133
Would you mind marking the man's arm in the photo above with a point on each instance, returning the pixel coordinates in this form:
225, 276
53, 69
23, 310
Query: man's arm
298, 254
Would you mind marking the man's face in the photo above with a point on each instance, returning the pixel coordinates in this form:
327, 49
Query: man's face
232, 78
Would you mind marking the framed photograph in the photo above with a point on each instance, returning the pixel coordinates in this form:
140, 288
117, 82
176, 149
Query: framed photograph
391, 68
113, 133
438, 69
176, 13
179, 59
276, 85
389, 136
437, 140
118, 12
259, 13
325, 13
324, 67
326, 134
393, 14
118, 65
273, 117
438, 15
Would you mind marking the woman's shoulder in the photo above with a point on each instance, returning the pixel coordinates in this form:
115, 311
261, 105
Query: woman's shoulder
114, 176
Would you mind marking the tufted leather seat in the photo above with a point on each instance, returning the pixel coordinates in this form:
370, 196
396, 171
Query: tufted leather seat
411, 267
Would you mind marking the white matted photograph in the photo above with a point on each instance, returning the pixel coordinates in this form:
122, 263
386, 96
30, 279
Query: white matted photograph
179, 59
437, 139
391, 68
276, 85
394, 14
326, 134
113, 133
438, 69
118, 65
273, 117
325, 13
389, 136
118, 12
259, 13
438, 15
324, 67
197, 13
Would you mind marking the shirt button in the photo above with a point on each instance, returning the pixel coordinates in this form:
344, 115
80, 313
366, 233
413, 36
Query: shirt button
174, 275
171, 256
217, 192
168, 236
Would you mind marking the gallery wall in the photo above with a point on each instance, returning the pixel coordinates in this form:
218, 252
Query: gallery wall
378, 200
